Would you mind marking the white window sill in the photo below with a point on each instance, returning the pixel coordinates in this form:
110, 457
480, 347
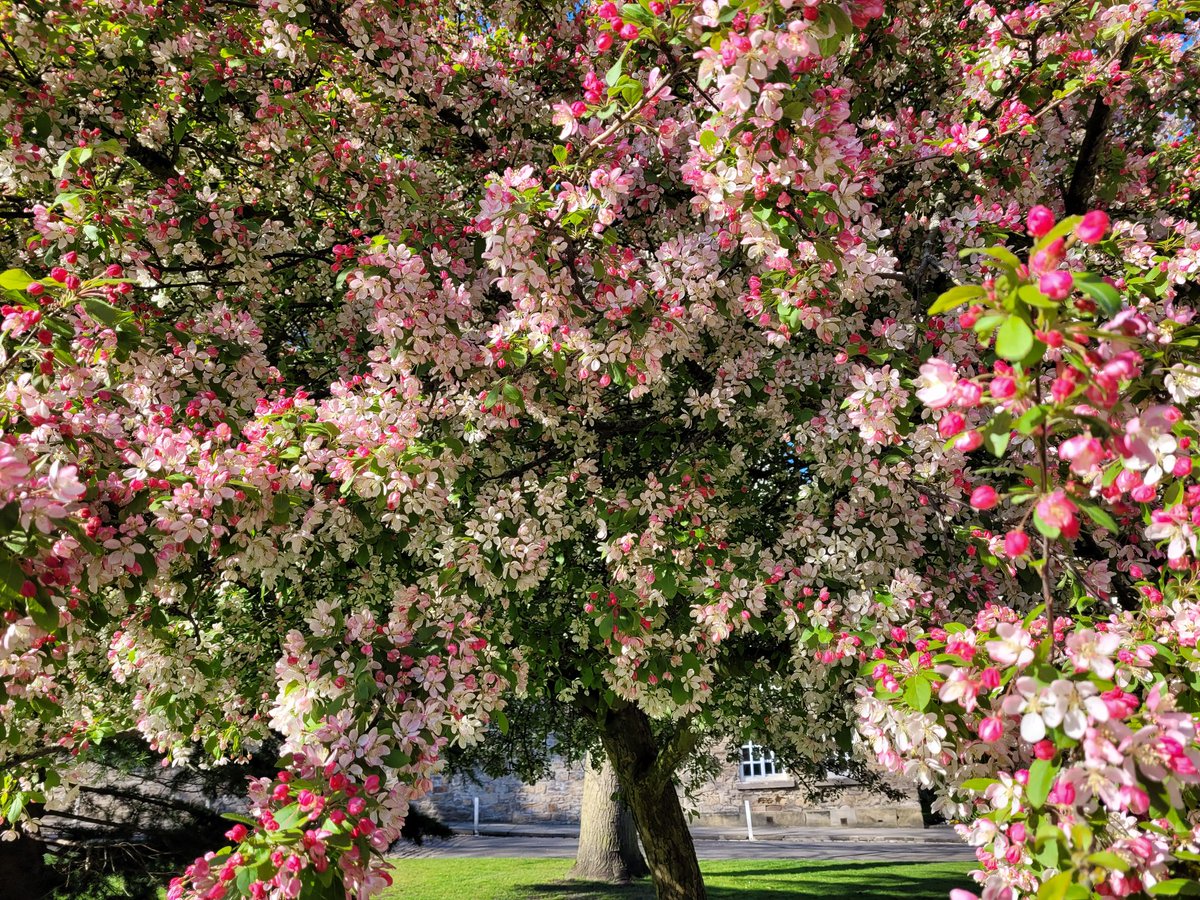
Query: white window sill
766, 782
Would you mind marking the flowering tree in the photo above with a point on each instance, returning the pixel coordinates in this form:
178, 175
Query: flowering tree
367, 361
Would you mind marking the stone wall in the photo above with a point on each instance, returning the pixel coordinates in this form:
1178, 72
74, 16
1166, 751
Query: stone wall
776, 800
773, 801
506, 800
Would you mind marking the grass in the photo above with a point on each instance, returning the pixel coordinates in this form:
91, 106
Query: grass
525, 879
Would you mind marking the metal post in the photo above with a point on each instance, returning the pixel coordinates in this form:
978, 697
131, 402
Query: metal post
475, 817
749, 823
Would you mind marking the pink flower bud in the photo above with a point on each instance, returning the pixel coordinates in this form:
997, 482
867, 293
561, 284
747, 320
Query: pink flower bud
990, 678
1017, 833
984, 497
59, 274
608, 11
1062, 794
1016, 543
113, 271
991, 729
628, 32
1057, 511
1048, 259
951, 424
1093, 227
968, 441
604, 40
1044, 749
967, 394
35, 289
1057, 284
1003, 387
70, 258
1039, 221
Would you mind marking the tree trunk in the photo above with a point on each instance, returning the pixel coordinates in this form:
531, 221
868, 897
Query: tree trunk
22, 862
608, 843
648, 787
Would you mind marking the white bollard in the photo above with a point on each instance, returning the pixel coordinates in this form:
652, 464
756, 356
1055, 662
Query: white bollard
749, 823
475, 817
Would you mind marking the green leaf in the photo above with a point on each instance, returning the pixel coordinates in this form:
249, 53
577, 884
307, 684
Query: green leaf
956, 296
16, 280
1044, 528
665, 582
105, 313
1031, 419
1041, 779
997, 432
1062, 229
1000, 254
560, 153
1173, 495
1174, 888
1014, 340
918, 692
708, 140
841, 21
11, 579
1056, 887
1109, 860
281, 509
44, 615
1100, 516
501, 720
1103, 293
1032, 296
613, 75
978, 784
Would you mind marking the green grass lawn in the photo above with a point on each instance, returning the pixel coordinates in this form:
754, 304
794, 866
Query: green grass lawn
524, 879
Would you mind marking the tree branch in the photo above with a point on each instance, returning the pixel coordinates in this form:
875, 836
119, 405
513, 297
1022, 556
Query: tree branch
1083, 178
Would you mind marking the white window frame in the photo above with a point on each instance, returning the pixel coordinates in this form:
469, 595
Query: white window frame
757, 763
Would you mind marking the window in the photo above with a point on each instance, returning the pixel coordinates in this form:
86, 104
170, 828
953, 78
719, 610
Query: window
758, 762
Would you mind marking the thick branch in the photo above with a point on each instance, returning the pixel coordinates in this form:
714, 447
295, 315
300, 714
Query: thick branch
1083, 178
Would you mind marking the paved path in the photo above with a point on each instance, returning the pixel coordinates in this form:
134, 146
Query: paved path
545, 847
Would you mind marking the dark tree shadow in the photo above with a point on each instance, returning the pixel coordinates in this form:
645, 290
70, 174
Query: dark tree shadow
826, 880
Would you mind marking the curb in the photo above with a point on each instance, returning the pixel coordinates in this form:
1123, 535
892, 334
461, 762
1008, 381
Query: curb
930, 836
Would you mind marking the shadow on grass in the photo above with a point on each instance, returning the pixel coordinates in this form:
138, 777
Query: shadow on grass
828, 881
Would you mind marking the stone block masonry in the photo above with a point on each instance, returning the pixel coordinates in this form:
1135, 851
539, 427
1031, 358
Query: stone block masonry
774, 800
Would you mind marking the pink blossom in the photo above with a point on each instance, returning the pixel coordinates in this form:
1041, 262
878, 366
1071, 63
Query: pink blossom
936, 383
1058, 511
1016, 543
984, 497
1039, 221
1013, 647
991, 729
1090, 650
1057, 284
1084, 452
13, 468
1093, 227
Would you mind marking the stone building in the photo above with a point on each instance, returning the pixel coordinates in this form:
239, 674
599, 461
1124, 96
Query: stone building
775, 798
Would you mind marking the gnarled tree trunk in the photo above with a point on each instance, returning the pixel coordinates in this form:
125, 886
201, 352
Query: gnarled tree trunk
608, 841
22, 863
646, 779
